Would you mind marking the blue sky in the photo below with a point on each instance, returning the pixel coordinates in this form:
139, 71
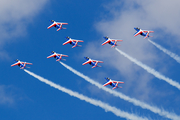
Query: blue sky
24, 36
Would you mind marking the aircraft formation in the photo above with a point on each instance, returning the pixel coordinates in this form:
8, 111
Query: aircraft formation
74, 43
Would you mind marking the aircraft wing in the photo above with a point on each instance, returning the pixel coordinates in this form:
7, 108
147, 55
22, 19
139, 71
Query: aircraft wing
118, 82
77, 40
117, 40
107, 41
89, 61
97, 61
137, 33
100, 61
15, 64
61, 23
53, 55
62, 55
67, 42
28, 63
52, 25
148, 31
107, 83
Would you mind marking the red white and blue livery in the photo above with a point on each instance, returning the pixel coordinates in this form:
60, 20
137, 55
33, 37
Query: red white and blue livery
73, 42
57, 25
112, 42
57, 56
92, 62
142, 32
113, 83
21, 64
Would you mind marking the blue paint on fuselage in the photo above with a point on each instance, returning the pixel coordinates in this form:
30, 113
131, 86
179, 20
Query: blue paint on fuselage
21, 65
138, 29
72, 43
91, 63
111, 43
56, 26
57, 57
112, 84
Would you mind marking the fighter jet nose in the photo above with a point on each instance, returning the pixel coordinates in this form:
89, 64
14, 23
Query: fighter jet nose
67, 37
87, 58
106, 37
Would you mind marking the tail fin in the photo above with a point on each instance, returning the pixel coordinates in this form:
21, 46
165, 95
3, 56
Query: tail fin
74, 46
116, 86
79, 45
147, 35
24, 67
60, 59
94, 66
115, 46
58, 29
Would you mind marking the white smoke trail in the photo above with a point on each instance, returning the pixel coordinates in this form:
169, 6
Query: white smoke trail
173, 55
150, 70
99, 103
124, 97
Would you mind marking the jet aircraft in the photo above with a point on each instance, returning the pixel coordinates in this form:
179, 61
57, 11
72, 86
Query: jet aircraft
57, 25
113, 83
142, 32
21, 64
112, 42
57, 56
92, 62
72, 42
